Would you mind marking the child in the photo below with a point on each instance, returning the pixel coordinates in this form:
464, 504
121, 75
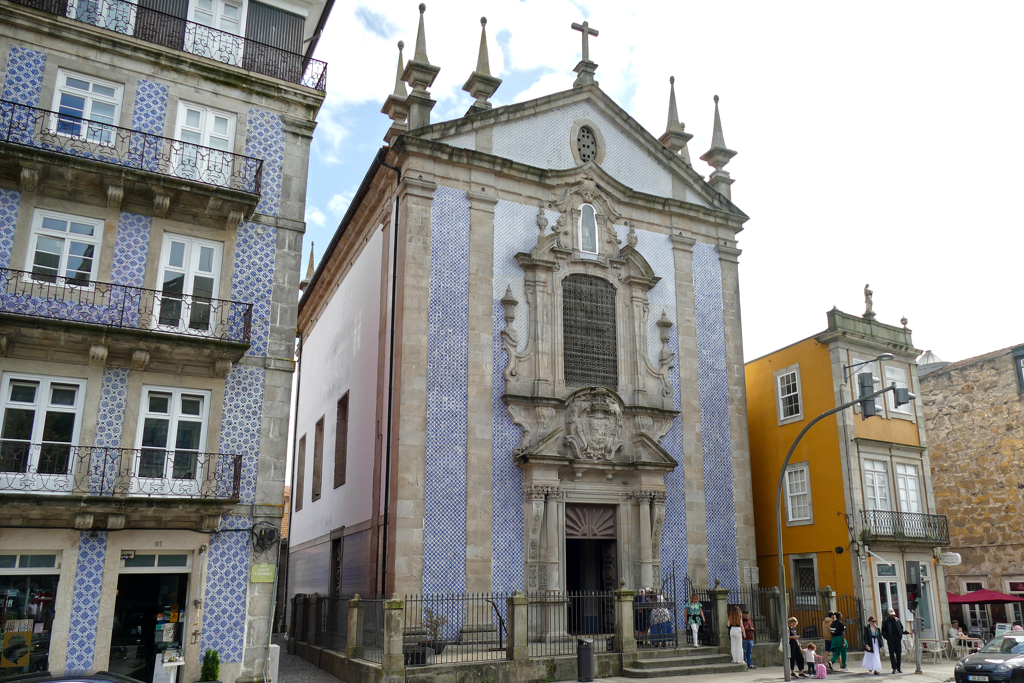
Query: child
811, 655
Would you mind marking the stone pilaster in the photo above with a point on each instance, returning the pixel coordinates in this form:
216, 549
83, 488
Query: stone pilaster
518, 645
392, 666
625, 640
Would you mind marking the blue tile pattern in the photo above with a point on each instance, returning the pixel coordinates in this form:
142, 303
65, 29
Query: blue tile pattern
85, 605
235, 523
227, 580
131, 249
444, 514
240, 428
10, 202
109, 428
150, 112
657, 249
253, 282
264, 140
23, 82
713, 381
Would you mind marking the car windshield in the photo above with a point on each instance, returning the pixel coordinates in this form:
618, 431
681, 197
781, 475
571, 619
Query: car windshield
1004, 643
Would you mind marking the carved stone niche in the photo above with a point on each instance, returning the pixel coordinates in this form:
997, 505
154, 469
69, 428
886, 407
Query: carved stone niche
622, 416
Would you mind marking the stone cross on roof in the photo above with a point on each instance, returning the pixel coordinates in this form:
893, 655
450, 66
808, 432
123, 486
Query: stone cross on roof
587, 32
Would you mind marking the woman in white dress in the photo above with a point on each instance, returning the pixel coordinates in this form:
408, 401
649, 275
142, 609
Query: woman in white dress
736, 634
873, 647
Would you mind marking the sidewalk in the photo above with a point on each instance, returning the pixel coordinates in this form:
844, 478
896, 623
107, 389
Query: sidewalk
932, 673
294, 669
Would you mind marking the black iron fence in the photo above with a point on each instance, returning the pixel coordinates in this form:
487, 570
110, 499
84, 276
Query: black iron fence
555, 621
332, 618
908, 527
43, 294
372, 616
100, 141
449, 628
150, 25
763, 606
90, 470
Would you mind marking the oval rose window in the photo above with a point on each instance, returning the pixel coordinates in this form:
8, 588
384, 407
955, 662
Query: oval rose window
586, 144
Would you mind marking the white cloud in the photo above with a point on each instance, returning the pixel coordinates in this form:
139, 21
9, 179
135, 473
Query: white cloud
339, 204
315, 216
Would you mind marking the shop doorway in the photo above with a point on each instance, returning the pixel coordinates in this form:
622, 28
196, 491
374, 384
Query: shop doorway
149, 615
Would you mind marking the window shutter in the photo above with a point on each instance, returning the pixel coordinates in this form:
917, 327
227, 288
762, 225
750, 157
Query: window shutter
318, 459
300, 473
341, 442
273, 42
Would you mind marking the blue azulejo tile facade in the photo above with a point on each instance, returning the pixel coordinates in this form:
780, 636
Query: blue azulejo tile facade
227, 580
85, 608
131, 249
444, 516
150, 112
713, 380
10, 202
264, 139
240, 427
23, 82
109, 427
253, 281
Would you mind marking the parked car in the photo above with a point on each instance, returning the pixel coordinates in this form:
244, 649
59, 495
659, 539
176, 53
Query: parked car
1002, 659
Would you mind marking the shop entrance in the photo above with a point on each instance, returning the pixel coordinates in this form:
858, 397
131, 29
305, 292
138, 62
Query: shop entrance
149, 616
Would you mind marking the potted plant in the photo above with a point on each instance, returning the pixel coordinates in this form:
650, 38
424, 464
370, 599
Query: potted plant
210, 672
433, 623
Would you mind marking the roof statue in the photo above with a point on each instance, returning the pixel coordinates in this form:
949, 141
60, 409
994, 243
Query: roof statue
586, 68
481, 83
869, 311
309, 270
675, 136
718, 156
420, 74
395, 106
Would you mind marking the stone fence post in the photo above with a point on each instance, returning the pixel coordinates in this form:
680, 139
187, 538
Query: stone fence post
393, 661
354, 641
518, 645
830, 601
312, 607
625, 631
721, 596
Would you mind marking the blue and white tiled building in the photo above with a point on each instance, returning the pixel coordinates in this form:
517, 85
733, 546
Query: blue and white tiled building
521, 358
152, 177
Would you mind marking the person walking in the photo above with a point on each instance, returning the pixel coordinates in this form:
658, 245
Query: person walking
873, 647
838, 648
796, 655
748, 641
736, 635
694, 617
826, 632
893, 632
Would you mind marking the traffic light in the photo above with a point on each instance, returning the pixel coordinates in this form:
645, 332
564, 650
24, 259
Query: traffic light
913, 584
866, 383
902, 396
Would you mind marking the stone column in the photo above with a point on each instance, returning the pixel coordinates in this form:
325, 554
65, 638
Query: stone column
518, 645
393, 662
625, 638
721, 607
354, 642
552, 545
646, 552
689, 396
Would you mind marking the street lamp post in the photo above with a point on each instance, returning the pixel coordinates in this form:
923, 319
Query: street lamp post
784, 606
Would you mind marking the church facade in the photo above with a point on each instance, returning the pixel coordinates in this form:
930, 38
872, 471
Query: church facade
524, 345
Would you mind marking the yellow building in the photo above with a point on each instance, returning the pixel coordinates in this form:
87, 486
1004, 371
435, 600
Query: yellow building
857, 500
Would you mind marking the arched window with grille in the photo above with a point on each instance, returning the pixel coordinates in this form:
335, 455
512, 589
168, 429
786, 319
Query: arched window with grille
589, 346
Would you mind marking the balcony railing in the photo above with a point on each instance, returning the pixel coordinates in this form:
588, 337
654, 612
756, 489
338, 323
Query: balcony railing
65, 134
39, 295
174, 32
904, 527
144, 472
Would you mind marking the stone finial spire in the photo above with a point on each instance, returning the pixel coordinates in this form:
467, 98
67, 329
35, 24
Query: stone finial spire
420, 74
395, 105
309, 271
586, 68
481, 84
675, 136
718, 156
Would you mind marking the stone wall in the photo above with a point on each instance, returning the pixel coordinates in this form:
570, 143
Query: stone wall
973, 417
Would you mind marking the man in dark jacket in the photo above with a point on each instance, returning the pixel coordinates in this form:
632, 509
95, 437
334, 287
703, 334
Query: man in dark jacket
893, 632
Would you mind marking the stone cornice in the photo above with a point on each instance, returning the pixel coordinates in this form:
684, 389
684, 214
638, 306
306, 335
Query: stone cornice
481, 201
682, 242
726, 253
417, 187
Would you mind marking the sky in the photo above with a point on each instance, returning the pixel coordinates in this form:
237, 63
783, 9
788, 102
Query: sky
878, 142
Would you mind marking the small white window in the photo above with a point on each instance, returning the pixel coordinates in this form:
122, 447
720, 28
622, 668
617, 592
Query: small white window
189, 278
908, 483
798, 493
64, 246
897, 376
172, 441
876, 485
88, 108
30, 562
206, 141
173, 561
588, 229
42, 417
871, 367
790, 401
218, 30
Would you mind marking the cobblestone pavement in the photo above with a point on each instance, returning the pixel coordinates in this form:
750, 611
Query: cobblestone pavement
294, 669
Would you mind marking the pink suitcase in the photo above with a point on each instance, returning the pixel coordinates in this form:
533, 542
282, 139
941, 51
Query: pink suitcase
821, 671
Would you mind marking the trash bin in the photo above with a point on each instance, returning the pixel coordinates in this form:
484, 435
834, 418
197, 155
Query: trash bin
585, 659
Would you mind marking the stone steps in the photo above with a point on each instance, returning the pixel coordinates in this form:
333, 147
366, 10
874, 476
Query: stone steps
682, 662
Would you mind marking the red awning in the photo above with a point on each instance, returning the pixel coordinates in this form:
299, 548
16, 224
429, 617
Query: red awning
983, 597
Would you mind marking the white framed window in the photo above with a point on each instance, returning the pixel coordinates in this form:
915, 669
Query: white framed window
790, 402
876, 485
218, 31
898, 376
30, 561
164, 562
798, 493
42, 419
1015, 586
87, 108
206, 140
189, 279
173, 425
64, 248
871, 367
588, 229
908, 483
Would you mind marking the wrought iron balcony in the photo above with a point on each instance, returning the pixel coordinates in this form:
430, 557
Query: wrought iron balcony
888, 526
73, 136
133, 472
148, 24
40, 295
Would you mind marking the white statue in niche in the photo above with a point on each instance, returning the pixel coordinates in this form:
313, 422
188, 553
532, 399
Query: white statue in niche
588, 229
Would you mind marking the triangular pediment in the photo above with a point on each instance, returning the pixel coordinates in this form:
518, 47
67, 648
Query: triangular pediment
542, 133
